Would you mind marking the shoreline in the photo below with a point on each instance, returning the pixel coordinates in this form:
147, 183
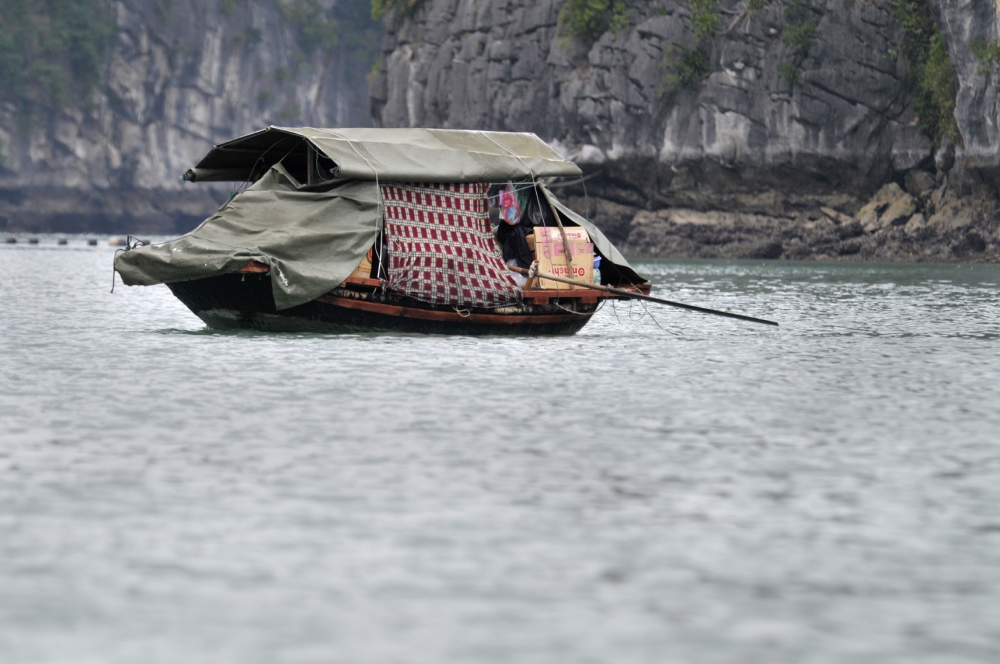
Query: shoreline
922, 219
940, 225
79, 240
723, 235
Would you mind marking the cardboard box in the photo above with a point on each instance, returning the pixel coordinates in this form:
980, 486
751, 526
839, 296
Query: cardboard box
544, 234
552, 260
364, 268
558, 249
552, 234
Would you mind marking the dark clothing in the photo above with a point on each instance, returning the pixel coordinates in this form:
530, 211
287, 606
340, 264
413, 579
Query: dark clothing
514, 243
534, 212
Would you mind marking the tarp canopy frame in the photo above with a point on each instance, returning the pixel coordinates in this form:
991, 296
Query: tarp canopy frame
397, 155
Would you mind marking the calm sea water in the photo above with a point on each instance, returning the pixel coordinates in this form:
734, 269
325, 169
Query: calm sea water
684, 489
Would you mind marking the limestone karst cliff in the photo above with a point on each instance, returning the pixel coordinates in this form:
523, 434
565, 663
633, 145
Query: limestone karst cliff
173, 78
730, 127
765, 128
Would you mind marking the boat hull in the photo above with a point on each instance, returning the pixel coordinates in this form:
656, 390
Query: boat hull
241, 301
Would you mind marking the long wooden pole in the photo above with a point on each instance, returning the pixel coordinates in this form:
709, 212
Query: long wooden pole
639, 296
562, 231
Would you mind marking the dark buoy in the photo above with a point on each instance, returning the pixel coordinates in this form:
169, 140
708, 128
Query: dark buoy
63, 241
32, 240
11, 240
92, 243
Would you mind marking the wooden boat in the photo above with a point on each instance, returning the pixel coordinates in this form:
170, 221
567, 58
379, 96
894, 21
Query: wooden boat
264, 262
242, 300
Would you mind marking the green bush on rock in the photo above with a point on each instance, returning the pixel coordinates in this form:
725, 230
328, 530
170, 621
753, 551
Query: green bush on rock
348, 24
587, 20
52, 51
798, 36
313, 25
380, 8
988, 54
705, 20
930, 75
684, 68
789, 73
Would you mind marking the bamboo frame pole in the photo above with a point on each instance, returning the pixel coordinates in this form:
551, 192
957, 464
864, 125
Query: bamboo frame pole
639, 296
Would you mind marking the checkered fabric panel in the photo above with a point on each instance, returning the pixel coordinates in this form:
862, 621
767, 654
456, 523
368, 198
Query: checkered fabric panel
441, 248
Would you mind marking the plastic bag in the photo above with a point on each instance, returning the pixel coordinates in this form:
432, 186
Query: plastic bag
510, 211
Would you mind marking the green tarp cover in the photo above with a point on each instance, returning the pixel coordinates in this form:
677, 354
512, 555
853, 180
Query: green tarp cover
311, 237
396, 155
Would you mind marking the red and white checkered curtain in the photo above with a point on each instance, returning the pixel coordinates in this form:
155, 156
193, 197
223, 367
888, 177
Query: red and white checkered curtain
441, 249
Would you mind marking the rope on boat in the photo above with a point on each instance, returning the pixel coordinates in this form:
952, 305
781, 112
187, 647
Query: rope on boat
532, 275
570, 311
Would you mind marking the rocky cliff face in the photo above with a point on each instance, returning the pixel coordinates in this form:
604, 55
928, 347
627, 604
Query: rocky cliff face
964, 23
770, 136
179, 76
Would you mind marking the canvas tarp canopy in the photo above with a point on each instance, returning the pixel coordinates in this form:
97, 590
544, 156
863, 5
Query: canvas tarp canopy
394, 155
311, 237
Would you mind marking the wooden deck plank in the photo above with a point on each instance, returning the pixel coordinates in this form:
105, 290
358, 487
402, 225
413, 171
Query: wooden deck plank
425, 314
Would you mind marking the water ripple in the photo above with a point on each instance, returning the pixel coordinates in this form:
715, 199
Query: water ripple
663, 486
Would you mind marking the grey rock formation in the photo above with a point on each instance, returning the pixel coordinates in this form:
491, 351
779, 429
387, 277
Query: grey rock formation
977, 106
501, 65
744, 140
179, 77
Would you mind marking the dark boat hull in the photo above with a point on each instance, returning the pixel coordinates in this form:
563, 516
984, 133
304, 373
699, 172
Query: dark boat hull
244, 301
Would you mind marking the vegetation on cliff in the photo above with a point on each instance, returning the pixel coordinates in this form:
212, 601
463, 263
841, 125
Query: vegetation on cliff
929, 70
587, 20
314, 26
380, 8
988, 54
52, 51
705, 19
319, 31
798, 36
683, 68
358, 31
687, 67
347, 23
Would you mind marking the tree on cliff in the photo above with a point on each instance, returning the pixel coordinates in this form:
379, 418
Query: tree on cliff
52, 51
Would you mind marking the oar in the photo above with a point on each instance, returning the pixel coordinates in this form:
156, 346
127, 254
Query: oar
639, 296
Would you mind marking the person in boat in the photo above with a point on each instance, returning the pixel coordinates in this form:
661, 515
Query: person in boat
518, 210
